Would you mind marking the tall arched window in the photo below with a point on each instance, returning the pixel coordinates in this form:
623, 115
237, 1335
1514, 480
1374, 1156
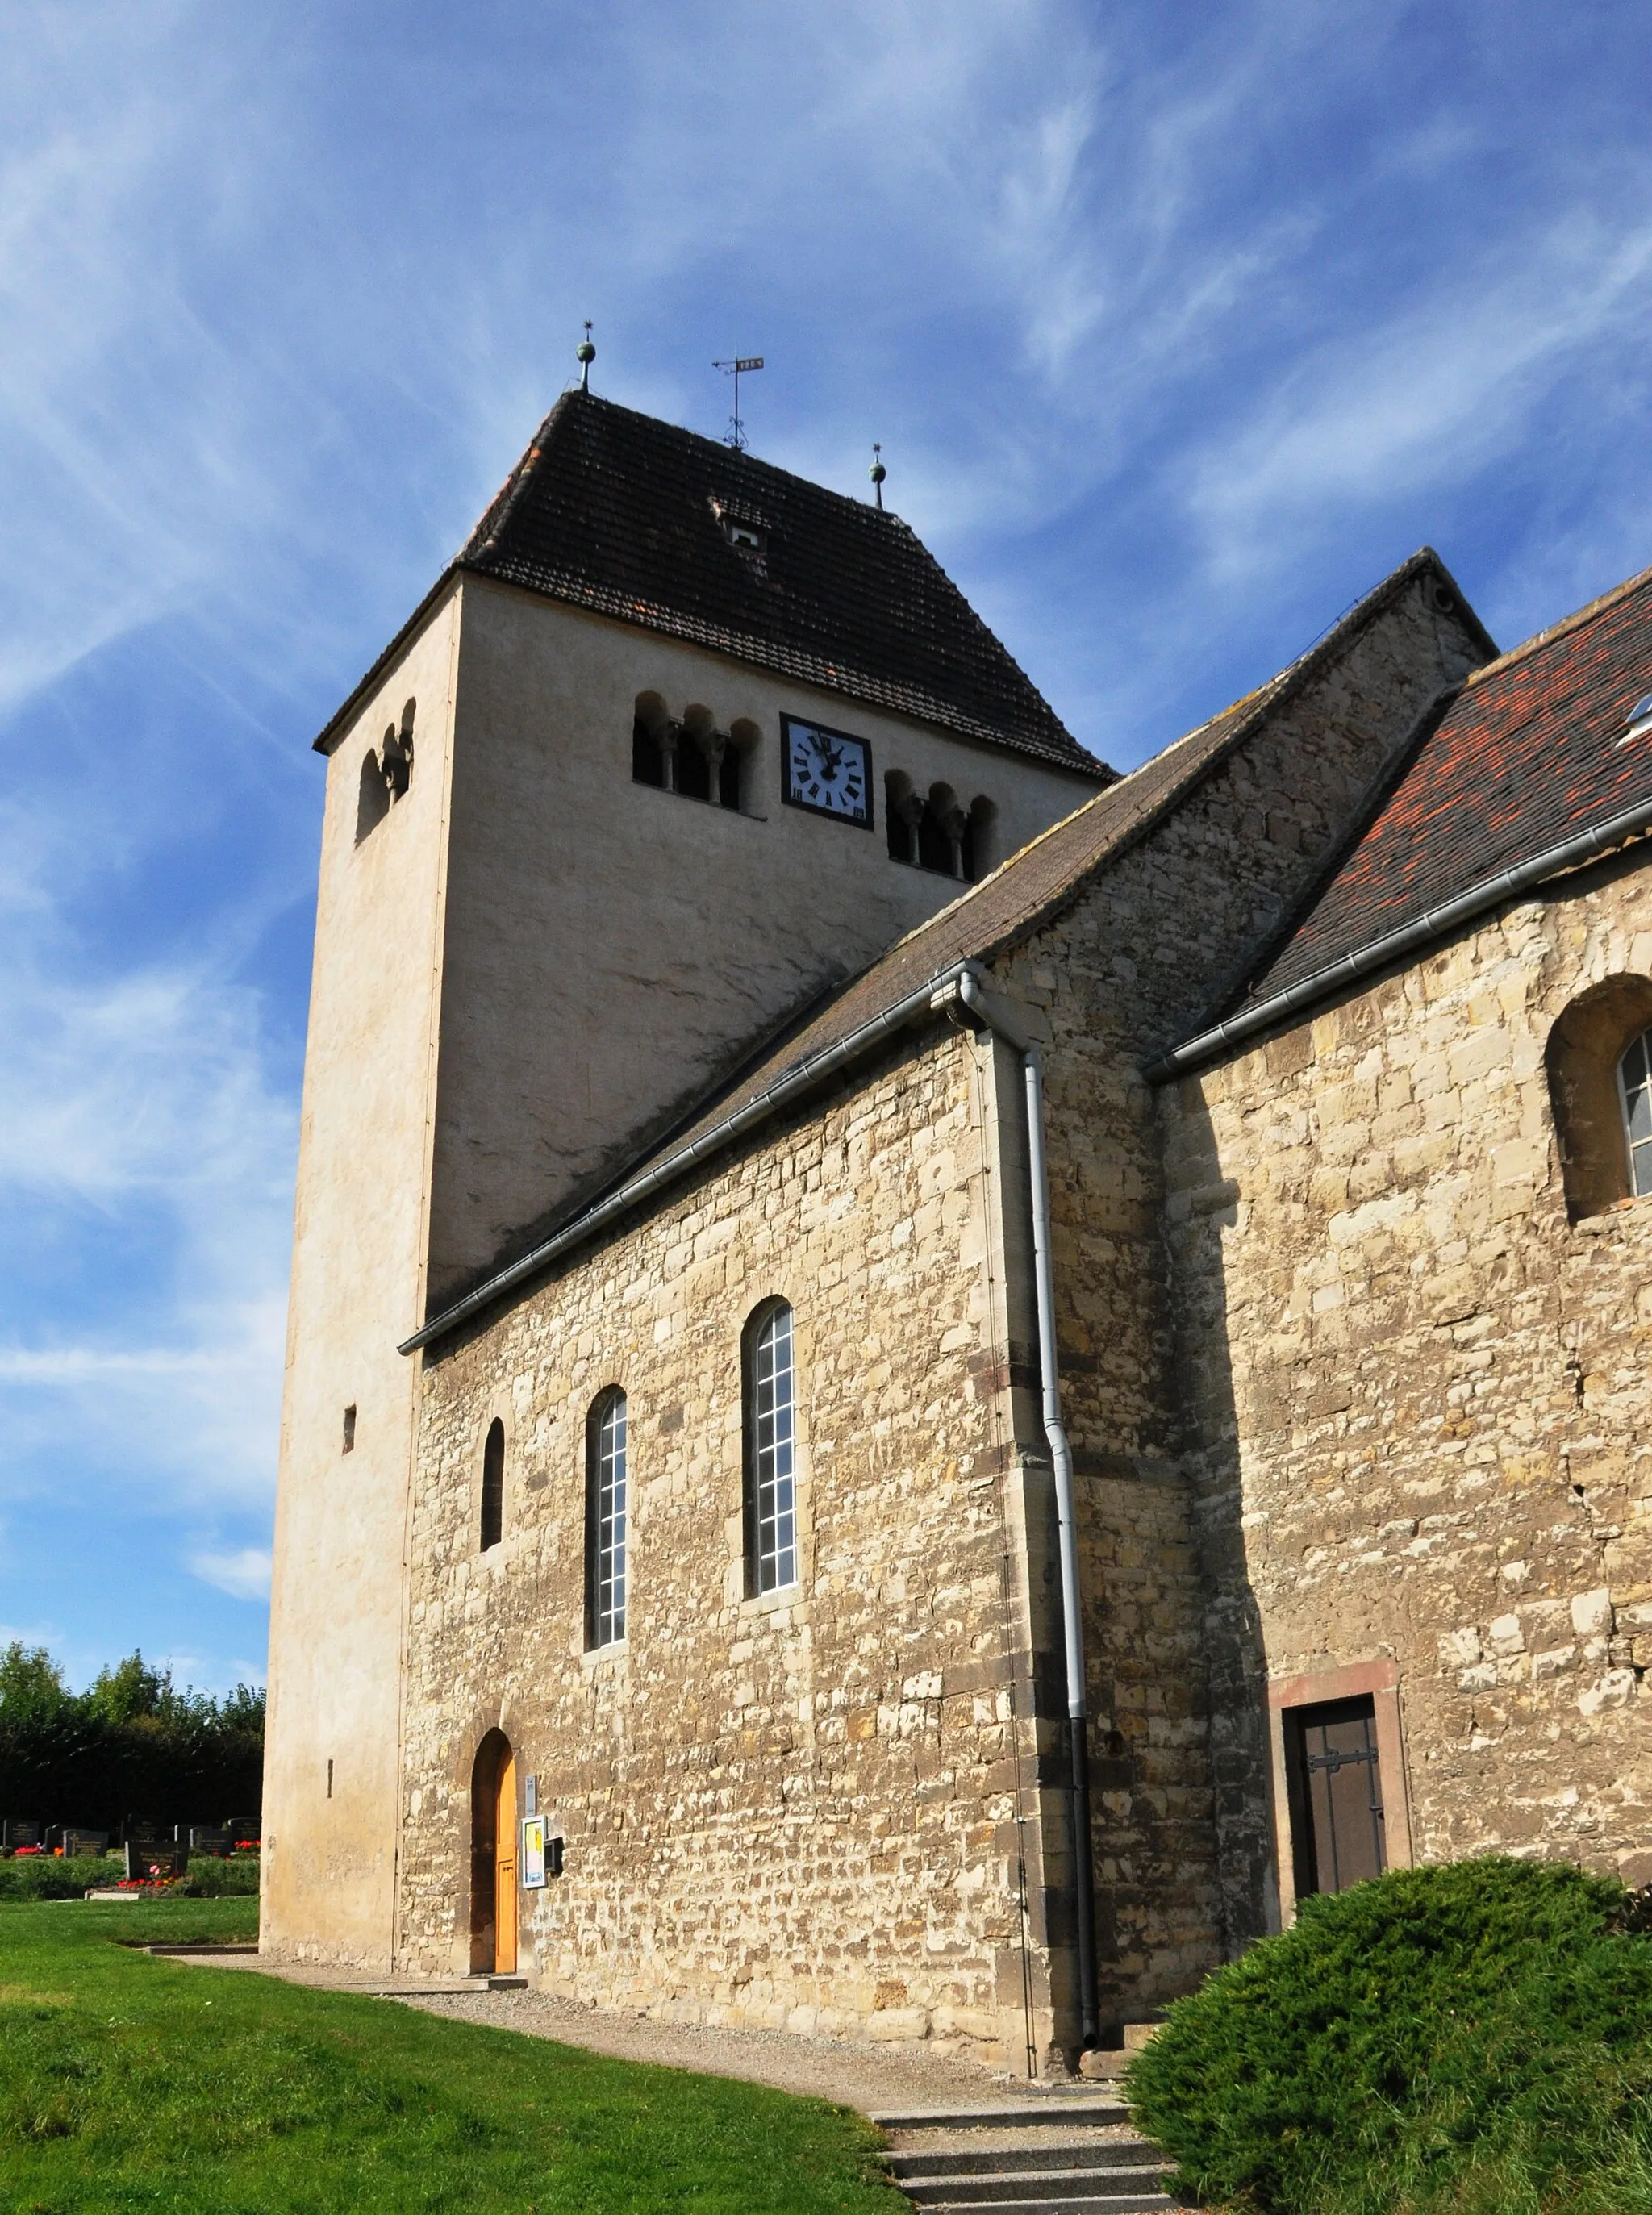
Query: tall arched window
1598, 1055
1635, 1096
771, 1451
493, 1486
605, 1472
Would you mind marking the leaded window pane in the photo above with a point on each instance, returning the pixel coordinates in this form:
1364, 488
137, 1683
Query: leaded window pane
607, 1510
774, 1506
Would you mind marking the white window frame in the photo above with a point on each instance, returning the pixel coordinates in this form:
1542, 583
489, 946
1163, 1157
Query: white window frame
771, 1452
1637, 1151
607, 1492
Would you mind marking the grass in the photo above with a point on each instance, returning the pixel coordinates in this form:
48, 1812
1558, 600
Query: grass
129, 2083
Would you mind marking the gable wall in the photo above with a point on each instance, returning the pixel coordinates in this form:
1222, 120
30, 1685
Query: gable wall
1129, 966
798, 1811
1421, 1410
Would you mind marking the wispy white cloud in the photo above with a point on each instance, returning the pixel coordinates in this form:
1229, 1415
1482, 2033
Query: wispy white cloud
1430, 392
244, 1574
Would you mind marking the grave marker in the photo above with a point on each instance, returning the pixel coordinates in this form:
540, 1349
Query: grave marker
155, 1861
205, 1838
84, 1842
13, 1835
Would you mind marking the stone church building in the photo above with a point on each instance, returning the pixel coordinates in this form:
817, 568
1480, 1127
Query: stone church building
924, 1380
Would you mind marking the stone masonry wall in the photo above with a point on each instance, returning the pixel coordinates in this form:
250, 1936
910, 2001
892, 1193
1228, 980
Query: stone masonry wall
1419, 1394
800, 1810
1128, 967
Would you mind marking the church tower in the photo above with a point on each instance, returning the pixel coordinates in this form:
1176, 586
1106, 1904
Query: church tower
678, 743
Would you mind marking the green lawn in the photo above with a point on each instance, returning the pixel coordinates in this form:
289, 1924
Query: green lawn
129, 2083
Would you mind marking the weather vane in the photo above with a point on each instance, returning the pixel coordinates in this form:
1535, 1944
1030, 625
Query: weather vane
877, 472
585, 357
735, 435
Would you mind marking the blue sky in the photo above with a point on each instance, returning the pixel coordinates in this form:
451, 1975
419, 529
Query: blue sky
1179, 325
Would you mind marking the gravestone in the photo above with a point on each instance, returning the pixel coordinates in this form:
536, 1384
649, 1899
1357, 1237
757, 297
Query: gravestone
13, 1835
53, 1838
84, 1842
243, 1829
203, 1838
153, 1860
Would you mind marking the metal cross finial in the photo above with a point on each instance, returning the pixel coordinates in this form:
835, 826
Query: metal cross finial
585, 357
735, 435
877, 472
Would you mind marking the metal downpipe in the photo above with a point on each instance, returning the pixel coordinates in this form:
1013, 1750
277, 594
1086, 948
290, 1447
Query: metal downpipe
1083, 1874
983, 1007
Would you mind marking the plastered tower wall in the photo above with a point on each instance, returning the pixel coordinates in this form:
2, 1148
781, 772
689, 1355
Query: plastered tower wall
610, 945
802, 1810
330, 1779
1421, 1400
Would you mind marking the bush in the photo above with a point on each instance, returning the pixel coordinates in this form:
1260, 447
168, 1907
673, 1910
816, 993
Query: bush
1472, 2036
213, 1879
43, 1876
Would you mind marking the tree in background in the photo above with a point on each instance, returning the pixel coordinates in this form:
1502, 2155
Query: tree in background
133, 1744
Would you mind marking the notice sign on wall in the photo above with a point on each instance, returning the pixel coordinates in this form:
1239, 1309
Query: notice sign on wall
533, 1853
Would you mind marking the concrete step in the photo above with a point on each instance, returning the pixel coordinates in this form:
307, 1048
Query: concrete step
1006, 2114
1056, 2182
1004, 2161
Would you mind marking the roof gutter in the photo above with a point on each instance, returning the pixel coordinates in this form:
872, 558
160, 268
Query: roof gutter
1582, 846
940, 989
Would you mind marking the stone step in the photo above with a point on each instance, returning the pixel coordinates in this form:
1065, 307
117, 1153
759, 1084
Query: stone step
1053, 2107
1004, 2161
1056, 2182
1060, 2203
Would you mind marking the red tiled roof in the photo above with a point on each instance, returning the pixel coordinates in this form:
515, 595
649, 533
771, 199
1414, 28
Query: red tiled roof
1525, 755
616, 512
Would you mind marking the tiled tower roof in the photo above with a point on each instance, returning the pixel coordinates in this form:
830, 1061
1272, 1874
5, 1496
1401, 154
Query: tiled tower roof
616, 512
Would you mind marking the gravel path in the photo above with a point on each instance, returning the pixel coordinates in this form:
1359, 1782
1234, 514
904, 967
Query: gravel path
864, 2076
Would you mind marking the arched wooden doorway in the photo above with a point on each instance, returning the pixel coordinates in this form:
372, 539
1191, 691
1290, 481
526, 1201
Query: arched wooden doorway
492, 1857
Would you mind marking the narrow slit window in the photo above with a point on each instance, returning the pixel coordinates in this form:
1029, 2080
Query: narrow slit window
606, 1473
770, 1436
493, 1486
1635, 1095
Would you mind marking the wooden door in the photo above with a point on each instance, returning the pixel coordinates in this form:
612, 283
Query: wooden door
505, 1870
1336, 1812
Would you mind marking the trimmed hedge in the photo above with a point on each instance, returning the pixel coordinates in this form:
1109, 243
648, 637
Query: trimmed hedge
1474, 2035
44, 1876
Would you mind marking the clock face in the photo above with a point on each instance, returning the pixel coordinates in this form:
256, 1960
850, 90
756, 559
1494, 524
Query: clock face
828, 771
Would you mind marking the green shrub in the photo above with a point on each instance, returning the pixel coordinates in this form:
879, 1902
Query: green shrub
214, 1880
43, 1876
1475, 2036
